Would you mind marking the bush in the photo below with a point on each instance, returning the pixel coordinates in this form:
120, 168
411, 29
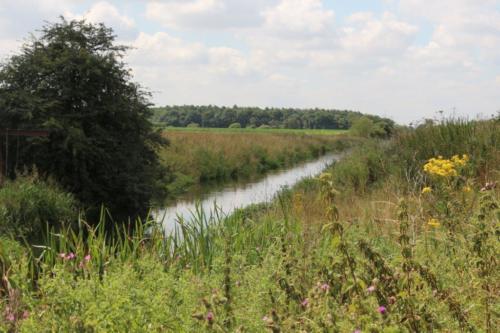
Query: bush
193, 125
265, 127
364, 166
28, 204
235, 125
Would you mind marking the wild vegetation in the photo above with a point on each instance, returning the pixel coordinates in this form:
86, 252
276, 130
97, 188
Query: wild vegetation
201, 156
400, 236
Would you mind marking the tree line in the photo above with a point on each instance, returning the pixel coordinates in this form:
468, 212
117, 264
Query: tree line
252, 117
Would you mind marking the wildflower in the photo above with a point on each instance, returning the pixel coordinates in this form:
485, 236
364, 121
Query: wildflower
357, 331
10, 316
382, 309
210, 316
87, 258
426, 190
433, 222
26, 314
466, 189
325, 287
371, 289
445, 167
305, 302
70, 256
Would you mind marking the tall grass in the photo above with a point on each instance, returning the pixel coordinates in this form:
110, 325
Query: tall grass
195, 157
318, 259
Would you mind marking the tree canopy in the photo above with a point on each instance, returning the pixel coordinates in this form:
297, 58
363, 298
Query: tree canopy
72, 81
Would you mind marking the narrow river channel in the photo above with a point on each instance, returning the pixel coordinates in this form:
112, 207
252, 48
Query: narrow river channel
233, 197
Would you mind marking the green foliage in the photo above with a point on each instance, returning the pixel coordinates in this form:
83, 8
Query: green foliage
270, 268
193, 125
71, 81
361, 168
253, 117
479, 139
367, 128
28, 205
235, 125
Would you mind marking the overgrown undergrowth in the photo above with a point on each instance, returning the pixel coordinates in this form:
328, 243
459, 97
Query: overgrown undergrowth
385, 241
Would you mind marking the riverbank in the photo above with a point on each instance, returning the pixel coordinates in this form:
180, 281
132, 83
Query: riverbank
228, 199
393, 238
199, 157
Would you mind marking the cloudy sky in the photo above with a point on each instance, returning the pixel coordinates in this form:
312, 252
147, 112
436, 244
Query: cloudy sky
405, 59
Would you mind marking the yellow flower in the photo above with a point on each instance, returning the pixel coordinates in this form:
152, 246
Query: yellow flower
466, 189
445, 167
433, 223
426, 189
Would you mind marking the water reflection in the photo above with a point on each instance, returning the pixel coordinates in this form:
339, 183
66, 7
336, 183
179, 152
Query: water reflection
231, 198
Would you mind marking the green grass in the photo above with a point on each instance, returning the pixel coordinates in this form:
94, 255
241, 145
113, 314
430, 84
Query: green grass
258, 130
323, 257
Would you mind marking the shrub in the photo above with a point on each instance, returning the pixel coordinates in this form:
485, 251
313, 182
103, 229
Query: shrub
235, 125
28, 204
193, 125
364, 166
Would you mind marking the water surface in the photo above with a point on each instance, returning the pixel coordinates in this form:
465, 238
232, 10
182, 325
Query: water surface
235, 196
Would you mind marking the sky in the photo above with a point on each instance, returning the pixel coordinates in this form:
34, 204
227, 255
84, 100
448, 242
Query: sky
403, 59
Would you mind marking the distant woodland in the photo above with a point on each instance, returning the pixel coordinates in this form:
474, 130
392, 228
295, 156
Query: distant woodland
253, 117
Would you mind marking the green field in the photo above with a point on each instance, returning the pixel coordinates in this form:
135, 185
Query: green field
257, 130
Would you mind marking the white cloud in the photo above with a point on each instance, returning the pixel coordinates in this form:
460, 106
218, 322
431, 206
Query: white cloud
298, 16
105, 12
371, 36
206, 14
162, 49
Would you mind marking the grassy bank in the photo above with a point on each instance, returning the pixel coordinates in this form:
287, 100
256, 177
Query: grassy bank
200, 155
394, 238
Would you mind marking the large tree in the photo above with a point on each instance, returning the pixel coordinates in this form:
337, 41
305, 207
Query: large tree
72, 81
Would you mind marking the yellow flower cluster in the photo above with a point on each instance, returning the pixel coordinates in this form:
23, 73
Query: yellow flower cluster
434, 223
445, 167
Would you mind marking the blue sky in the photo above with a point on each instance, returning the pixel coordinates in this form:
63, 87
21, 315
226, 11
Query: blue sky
405, 59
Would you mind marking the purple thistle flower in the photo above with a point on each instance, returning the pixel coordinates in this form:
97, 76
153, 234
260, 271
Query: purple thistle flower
305, 302
325, 287
87, 258
382, 309
10, 317
210, 316
357, 331
371, 289
70, 256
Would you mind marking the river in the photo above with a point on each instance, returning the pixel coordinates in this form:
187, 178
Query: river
234, 196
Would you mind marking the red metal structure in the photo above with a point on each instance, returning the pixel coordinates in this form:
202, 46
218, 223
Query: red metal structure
6, 134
